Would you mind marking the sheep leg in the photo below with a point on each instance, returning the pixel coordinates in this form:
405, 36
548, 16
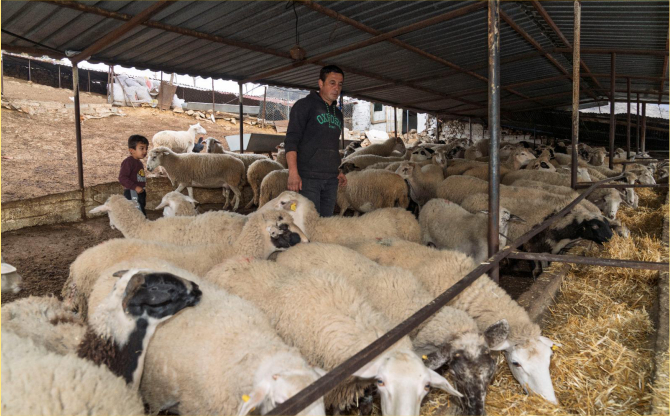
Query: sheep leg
180, 187
237, 198
254, 200
190, 192
226, 196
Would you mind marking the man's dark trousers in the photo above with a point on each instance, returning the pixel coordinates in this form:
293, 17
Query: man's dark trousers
323, 192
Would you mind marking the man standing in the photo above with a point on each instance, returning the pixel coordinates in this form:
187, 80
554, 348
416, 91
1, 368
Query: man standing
312, 143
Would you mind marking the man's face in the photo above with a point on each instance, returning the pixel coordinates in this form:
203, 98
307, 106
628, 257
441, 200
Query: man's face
330, 89
139, 152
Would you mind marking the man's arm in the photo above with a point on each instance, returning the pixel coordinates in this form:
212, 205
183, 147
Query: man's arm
294, 180
294, 134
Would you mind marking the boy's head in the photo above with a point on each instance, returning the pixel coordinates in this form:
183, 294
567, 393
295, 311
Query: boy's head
138, 146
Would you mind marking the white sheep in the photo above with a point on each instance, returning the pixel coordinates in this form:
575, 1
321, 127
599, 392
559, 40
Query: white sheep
257, 171
201, 170
11, 279
456, 188
422, 180
264, 233
384, 148
354, 163
208, 359
215, 146
215, 227
273, 184
372, 189
448, 226
178, 141
39, 381
527, 353
176, 204
380, 223
328, 320
450, 337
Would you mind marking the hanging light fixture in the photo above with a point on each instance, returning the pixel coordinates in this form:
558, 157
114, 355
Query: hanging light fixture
296, 52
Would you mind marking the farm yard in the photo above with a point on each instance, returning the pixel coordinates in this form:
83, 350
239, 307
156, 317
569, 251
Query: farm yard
493, 249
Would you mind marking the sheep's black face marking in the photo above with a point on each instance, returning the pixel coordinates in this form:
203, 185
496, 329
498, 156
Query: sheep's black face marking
544, 165
347, 167
159, 295
285, 238
596, 230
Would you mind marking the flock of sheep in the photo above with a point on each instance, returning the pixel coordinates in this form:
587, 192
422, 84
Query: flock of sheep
244, 311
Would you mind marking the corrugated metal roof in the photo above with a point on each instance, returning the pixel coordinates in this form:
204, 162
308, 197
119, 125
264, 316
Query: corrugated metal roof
420, 83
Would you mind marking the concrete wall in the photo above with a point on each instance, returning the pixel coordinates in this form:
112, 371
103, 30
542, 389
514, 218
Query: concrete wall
67, 206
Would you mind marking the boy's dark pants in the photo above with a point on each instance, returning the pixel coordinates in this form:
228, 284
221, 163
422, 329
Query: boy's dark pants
141, 198
323, 192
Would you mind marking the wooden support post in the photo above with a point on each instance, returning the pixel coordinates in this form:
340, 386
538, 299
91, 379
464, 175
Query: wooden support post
29, 74
395, 121
265, 96
77, 125
576, 57
241, 119
612, 109
643, 139
628, 118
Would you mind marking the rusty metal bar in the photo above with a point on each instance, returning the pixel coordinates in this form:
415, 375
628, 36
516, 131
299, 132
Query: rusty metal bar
575, 90
241, 118
583, 185
495, 131
643, 139
591, 261
59, 85
77, 125
395, 121
342, 110
665, 72
334, 377
29, 72
213, 101
601, 51
631, 76
627, 118
114, 35
2, 74
612, 110
637, 126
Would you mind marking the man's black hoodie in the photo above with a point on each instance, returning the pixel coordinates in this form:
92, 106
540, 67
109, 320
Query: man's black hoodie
314, 130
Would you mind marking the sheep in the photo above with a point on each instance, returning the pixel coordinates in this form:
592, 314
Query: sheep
422, 180
619, 229
527, 353
458, 166
215, 227
456, 188
257, 171
39, 381
372, 189
281, 156
552, 178
446, 225
328, 320
384, 148
450, 336
384, 222
178, 141
541, 163
273, 184
176, 204
516, 160
644, 176
11, 279
353, 163
207, 359
472, 153
213, 146
264, 233
205, 171
351, 148
607, 200
421, 154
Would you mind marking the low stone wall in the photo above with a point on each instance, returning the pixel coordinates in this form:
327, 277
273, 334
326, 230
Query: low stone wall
67, 206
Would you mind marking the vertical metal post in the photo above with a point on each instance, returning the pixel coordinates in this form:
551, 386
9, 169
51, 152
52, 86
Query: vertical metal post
88, 71
395, 121
612, 110
77, 124
470, 128
241, 119
627, 118
643, 133
59, 84
576, 57
265, 96
494, 126
437, 128
29, 75
2, 74
213, 101
637, 126
342, 110
407, 124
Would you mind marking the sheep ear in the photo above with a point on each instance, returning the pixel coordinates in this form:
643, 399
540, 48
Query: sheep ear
191, 200
101, 208
441, 383
496, 334
166, 153
163, 204
370, 370
254, 399
320, 371
120, 273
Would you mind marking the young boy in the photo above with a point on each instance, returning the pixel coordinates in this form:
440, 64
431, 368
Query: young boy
131, 175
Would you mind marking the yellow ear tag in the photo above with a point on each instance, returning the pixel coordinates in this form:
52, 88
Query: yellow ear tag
245, 398
293, 206
554, 347
425, 357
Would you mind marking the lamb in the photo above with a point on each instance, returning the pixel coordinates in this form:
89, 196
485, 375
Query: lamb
214, 227
527, 353
208, 359
39, 381
264, 233
372, 189
214, 146
11, 279
281, 156
347, 323
519, 158
450, 336
380, 223
176, 204
178, 141
448, 226
257, 171
273, 184
384, 148
422, 180
205, 171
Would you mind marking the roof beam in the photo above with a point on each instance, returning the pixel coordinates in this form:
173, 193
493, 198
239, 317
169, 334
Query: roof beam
665, 71
368, 42
599, 51
115, 34
33, 51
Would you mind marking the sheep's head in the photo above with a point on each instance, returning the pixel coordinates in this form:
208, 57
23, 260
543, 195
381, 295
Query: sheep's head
172, 200
609, 204
405, 170
646, 178
347, 167
156, 157
198, 129
399, 145
277, 232
598, 157
296, 205
541, 163
457, 151
440, 159
421, 154
505, 151
212, 144
595, 229
521, 156
113, 201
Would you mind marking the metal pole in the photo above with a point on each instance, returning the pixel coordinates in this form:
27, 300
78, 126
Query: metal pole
437, 130
88, 71
213, 101
29, 75
2, 74
59, 84
241, 119
265, 96
77, 124
395, 121
494, 126
534, 136
612, 110
644, 128
342, 110
628, 118
637, 126
470, 128
575, 89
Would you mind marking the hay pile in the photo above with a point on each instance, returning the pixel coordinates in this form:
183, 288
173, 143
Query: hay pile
601, 319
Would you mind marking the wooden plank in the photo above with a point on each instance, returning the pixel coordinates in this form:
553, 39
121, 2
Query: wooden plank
281, 126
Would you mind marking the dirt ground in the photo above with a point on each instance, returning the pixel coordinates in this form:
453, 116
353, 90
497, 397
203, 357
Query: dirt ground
39, 155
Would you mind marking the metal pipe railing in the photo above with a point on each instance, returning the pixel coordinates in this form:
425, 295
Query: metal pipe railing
592, 261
